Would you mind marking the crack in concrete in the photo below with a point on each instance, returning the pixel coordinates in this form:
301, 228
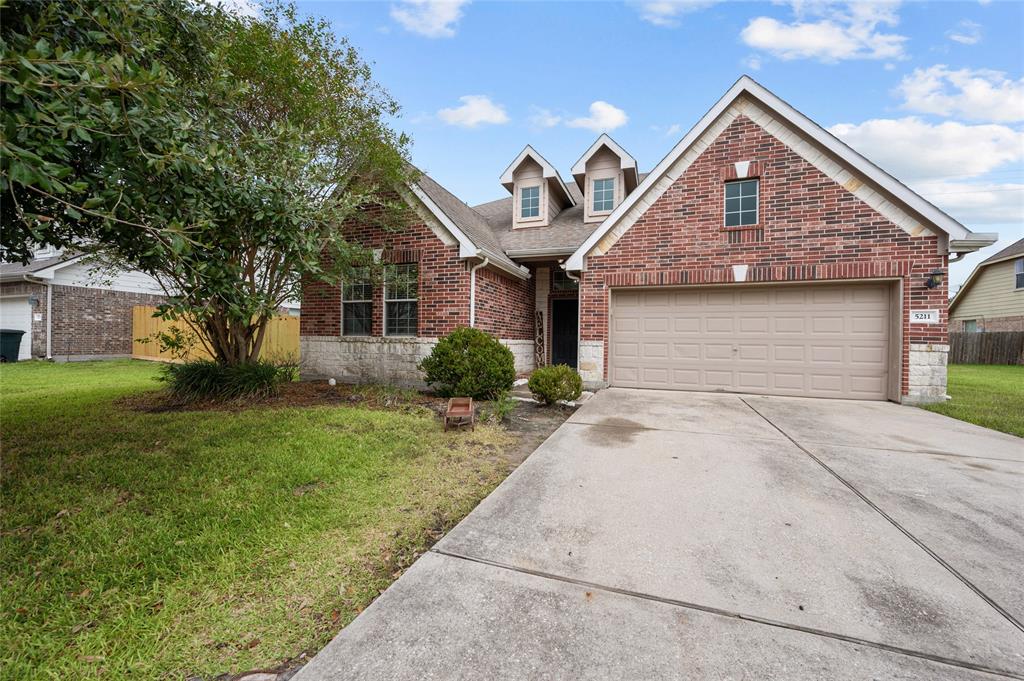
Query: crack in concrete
953, 571
963, 664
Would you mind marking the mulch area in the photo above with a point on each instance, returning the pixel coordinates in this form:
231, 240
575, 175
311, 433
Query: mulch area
531, 422
298, 394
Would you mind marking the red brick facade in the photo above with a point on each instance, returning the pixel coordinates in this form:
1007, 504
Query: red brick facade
990, 324
504, 306
811, 228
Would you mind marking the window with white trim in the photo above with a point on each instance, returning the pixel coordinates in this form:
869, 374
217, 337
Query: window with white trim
1018, 274
529, 202
604, 194
741, 203
401, 300
357, 303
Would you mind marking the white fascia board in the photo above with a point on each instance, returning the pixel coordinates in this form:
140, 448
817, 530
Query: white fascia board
467, 249
549, 171
626, 161
976, 242
746, 84
52, 269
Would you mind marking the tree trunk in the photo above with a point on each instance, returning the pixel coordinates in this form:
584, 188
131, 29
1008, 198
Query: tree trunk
233, 342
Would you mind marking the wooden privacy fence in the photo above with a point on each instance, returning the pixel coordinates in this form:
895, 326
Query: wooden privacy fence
281, 341
999, 347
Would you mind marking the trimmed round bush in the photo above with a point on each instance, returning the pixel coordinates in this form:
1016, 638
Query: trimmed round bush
555, 383
470, 363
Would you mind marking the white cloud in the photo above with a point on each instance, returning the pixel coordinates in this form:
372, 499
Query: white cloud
967, 32
543, 118
753, 62
666, 13
475, 110
829, 32
603, 117
914, 150
673, 130
977, 202
430, 18
973, 94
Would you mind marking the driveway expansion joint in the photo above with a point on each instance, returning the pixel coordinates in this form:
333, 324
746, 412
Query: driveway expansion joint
963, 664
970, 585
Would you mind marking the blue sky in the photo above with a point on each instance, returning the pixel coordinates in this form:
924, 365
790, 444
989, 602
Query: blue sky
931, 91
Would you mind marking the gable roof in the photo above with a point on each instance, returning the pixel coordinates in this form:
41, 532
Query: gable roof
961, 238
626, 161
475, 237
39, 268
549, 172
1014, 250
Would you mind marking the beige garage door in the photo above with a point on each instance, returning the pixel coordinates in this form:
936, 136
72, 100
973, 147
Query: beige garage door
816, 340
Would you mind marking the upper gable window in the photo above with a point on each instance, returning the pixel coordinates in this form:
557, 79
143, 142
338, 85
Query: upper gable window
1018, 270
529, 202
604, 195
741, 203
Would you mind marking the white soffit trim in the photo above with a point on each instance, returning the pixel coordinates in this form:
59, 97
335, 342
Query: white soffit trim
812, 131
550, 172
626, 161
467, 249
52, 269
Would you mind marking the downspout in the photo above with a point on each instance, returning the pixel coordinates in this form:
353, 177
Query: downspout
49, 320
472, 290
579, 316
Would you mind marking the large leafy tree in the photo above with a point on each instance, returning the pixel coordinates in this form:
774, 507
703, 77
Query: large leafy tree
215, 152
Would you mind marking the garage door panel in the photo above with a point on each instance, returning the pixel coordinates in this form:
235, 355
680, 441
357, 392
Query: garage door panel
818, 340
16, 313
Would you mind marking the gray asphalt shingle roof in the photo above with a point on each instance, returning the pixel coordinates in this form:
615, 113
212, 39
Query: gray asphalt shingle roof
1016, 248
14, 270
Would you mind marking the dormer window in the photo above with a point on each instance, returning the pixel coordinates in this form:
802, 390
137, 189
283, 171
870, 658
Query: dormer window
604, 195
529, 202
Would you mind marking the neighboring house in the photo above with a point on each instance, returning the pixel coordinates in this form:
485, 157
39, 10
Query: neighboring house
760, 255
992, 298
91, 309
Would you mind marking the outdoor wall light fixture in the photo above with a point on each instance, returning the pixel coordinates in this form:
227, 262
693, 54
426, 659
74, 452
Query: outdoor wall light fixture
935, 279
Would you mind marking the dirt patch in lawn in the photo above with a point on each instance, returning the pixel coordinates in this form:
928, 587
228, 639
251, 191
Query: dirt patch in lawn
531, 422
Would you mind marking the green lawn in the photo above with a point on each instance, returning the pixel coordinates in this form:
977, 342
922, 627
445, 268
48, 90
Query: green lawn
985, 394
163, 545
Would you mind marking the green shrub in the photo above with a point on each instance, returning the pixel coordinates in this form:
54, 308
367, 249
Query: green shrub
469, 363
555, 383
206, 379
500, 408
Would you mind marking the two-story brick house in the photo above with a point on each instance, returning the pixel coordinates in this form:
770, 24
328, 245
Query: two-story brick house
760, 255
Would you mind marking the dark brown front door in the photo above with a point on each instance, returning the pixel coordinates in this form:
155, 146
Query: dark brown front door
564, 326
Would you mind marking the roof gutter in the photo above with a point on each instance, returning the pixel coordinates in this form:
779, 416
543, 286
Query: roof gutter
977, 241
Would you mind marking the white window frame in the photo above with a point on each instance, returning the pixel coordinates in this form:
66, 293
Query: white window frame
971, 321
387, 331
757, 204
540, 203
344, 300
1018, 274
593, 195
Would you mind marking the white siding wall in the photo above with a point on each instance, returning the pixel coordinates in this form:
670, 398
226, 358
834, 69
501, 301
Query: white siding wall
991, 295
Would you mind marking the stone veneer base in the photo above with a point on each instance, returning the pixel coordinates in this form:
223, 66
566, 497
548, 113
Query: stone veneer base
927, 370
374, 359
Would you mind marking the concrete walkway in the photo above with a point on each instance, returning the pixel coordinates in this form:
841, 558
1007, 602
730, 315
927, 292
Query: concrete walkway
661, 535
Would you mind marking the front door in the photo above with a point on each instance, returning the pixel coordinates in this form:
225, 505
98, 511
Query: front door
564, 326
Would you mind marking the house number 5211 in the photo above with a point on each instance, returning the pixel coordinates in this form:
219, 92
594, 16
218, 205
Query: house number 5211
924, 316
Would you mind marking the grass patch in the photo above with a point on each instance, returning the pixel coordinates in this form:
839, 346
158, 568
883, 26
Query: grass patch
986, 394
168, 544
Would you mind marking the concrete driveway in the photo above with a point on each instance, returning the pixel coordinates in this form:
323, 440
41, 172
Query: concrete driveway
709, 536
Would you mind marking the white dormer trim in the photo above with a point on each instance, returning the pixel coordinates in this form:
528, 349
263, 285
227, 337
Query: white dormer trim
965, 239
550, 173
626, 162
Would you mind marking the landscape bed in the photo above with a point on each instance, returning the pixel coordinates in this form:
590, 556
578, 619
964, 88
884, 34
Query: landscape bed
143, 540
